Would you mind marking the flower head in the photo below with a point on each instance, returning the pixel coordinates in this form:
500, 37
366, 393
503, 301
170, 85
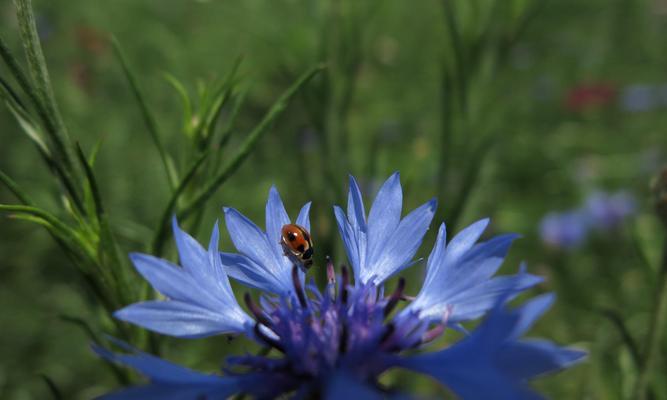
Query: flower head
337, 342
608, 211
566, 230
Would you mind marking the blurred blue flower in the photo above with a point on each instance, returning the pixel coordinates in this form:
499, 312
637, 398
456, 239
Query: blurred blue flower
337, 342
564, 230
638, 98
608, 211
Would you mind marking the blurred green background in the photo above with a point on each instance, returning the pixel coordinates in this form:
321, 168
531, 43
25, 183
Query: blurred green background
505, 109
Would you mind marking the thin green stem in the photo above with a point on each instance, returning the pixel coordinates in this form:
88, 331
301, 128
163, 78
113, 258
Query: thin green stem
655, 334
146, 114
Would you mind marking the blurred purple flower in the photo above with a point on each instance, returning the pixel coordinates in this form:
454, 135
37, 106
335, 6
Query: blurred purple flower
638, 98
608, 211
564, 230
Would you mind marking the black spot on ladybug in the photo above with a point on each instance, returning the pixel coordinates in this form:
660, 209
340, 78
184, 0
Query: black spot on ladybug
308, 253
291, 236
301, 248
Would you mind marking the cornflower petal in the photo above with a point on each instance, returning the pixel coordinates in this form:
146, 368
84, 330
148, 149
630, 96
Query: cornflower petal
343, 386
262, 263
200, 299
303, 218
459, 276
180, 319
384, 245
167, 380
492, 362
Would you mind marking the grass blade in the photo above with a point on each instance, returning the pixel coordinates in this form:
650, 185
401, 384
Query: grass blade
146, 114
15, 189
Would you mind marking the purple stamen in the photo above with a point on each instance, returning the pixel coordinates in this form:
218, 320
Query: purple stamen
395, 297
298, 288
345, 278
256, 311
269, 341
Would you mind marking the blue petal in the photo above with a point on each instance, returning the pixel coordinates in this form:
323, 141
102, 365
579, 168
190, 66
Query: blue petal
171, 280
384, 216
355, 207
169, 392
383, 245
473, 303
342, 386
250, 241
303, 218
459, 279
182, 319
464, 240
200, 299
491, 362
403, 244
219, 277
168, 380
349, 237
192, 255
276, 217
249, 273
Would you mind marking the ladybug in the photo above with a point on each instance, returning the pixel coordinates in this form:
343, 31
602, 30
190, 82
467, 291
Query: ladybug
297, 244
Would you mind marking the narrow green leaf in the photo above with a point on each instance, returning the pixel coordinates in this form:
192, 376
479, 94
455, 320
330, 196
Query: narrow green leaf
220, 98
249, 144
96, 149
57, 227
185, 99
41, 80
53, 389
30, 127
231, 121
15, 189
148, 117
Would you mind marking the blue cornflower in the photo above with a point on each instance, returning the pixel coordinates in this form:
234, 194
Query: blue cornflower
337, 342
608, 211
565, 230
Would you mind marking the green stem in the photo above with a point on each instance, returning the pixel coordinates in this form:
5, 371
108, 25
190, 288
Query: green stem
149, 119
655, 332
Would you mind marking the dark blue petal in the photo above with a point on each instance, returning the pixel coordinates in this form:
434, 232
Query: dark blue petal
491, 362
342, 386
170, 392
168, 380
